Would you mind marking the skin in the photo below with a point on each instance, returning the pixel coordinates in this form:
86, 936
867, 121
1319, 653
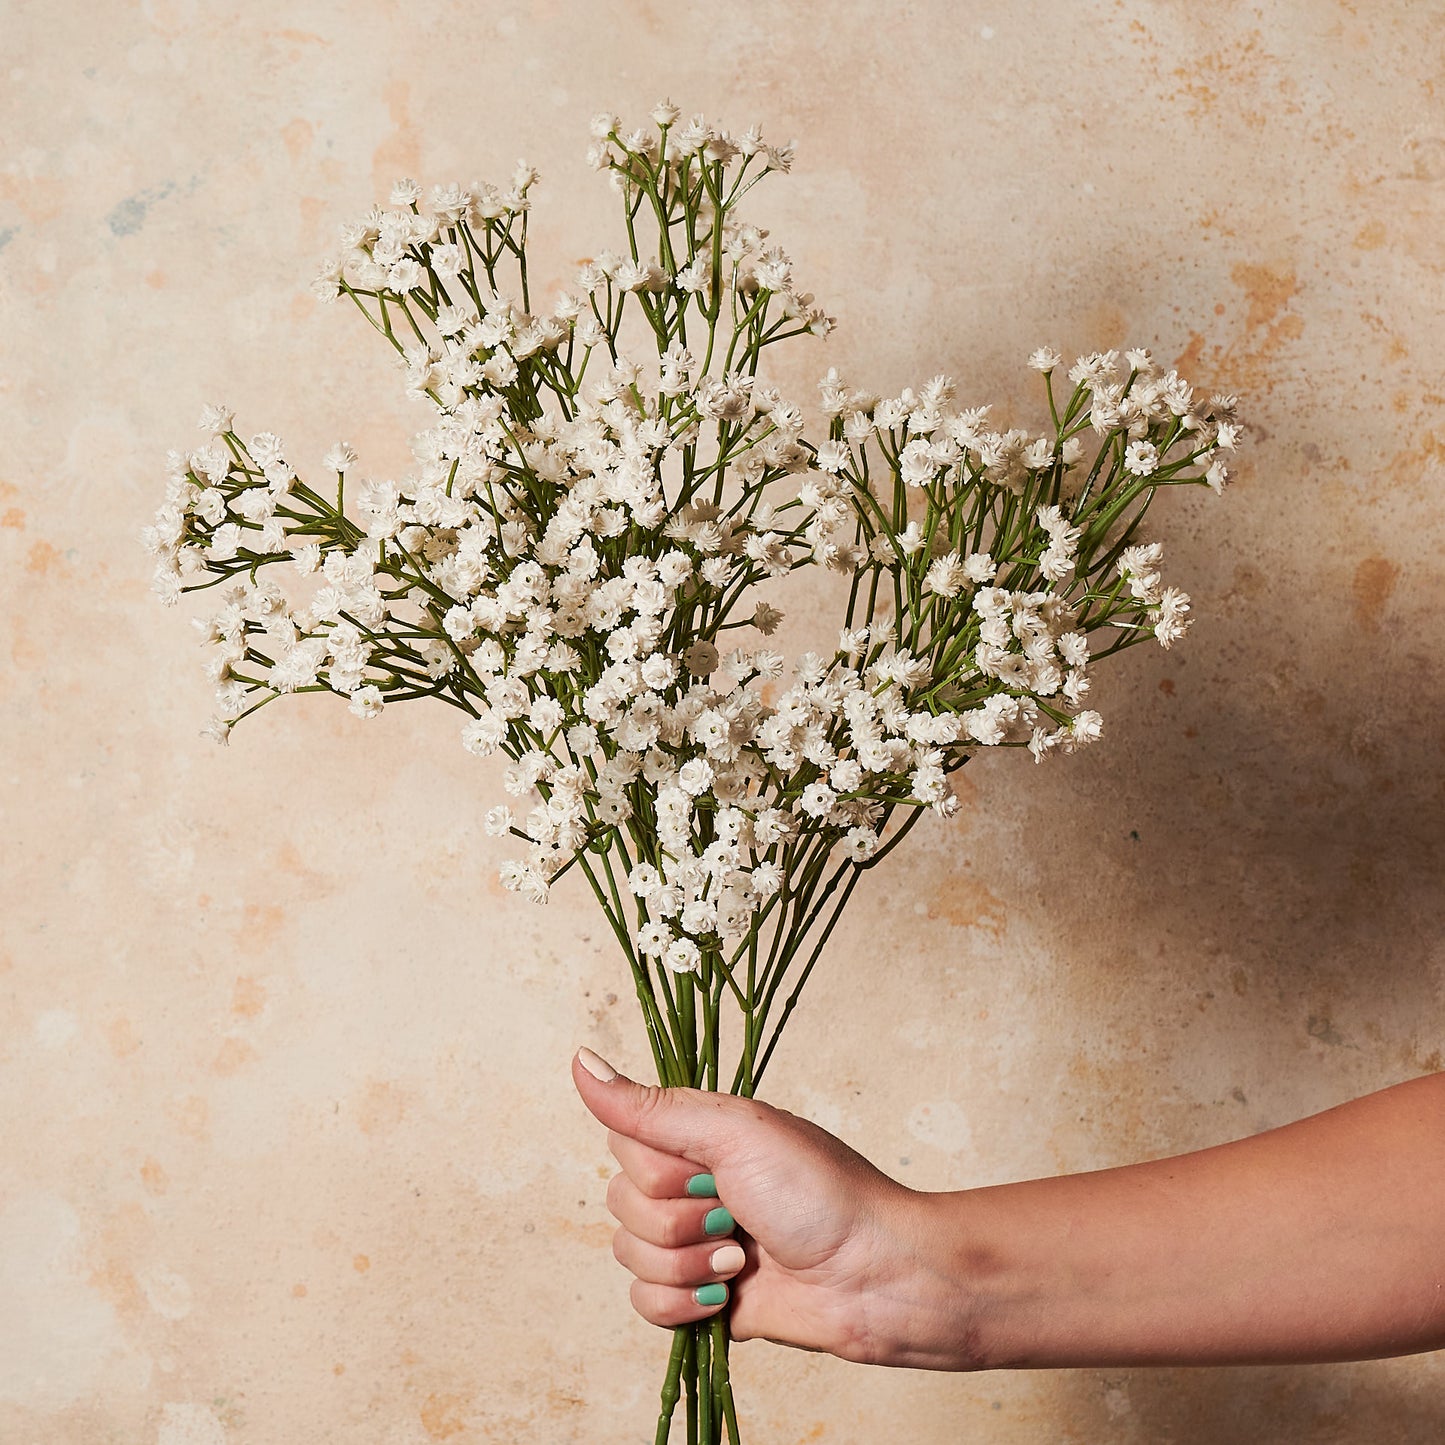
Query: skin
1322, 1240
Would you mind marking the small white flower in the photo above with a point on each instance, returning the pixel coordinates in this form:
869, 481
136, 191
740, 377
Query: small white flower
1141, 458
910, 539
695, 776
683, 956
817, 800
367, 701
659, 671
644, 880
1042, 741
979, 567
1139, 567
653, 939
946, 576
484, 734
766, 618
216, 420
1086, 727
701, 659
717, 572
1171, 621
339, 458
711, 731
767, 878
699, 916
225, 542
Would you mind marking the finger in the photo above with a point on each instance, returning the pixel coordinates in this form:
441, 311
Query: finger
662, 1176
663, 1305
694, 1123
686, 1268
668, 1223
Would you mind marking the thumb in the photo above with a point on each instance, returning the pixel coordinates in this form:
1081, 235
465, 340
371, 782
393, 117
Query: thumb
694, 1124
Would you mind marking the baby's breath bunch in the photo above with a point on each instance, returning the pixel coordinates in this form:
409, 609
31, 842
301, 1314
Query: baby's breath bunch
580, 563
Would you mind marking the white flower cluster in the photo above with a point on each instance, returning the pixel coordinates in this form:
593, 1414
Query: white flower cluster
582, 527
722, 780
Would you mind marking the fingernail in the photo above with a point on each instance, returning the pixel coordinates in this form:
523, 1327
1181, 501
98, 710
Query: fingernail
702, 1186
717, 1221
711, 1294
596, 1065
728, 1260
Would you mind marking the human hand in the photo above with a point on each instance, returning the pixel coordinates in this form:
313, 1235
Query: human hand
830, 1246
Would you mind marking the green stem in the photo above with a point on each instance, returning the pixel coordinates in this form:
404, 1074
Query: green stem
721, 1348
704, 1384
671, 1386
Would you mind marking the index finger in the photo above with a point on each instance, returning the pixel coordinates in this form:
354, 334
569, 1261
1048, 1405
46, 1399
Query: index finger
657, 1174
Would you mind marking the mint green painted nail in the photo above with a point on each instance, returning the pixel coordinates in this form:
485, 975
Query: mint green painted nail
702, 1186
711, 1294
717, 1221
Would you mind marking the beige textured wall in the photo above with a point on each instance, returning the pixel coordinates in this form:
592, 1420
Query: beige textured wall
288, 1151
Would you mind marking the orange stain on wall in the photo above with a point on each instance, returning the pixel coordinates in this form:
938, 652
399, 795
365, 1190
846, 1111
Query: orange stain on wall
232, 1057
1249, 362
121, 1038
1417, 462
400, 153
1267, 291
1370, 236
381, 1108
966, 903
261, 924
115, 1282
1374, 581
442, 1416
41, 558
597, 1233
297, 136
248, 997
191, 1116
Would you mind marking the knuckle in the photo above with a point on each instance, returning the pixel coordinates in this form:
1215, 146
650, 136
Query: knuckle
616, 1188
648, 1178
652, 1107
620, 1239
644, 1303
755, 1112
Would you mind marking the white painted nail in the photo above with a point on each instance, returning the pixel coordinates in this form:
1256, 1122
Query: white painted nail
728, 1259
596, 1065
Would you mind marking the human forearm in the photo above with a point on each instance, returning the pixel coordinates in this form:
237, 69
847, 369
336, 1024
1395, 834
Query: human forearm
1323, 1240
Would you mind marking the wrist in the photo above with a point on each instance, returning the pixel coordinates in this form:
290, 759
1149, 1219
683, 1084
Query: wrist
923, 1305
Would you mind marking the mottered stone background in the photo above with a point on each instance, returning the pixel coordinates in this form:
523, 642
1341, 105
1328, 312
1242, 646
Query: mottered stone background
288, 1148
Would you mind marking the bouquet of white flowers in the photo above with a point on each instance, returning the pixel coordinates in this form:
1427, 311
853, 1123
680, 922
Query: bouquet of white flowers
580, 561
